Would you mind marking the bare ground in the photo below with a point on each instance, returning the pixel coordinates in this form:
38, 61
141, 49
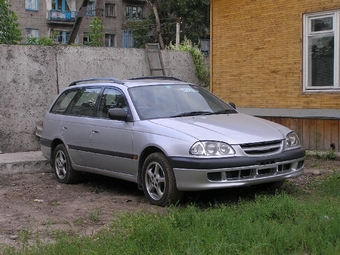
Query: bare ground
37, 205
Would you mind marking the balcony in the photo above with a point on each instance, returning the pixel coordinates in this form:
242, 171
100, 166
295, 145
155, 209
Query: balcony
61, 16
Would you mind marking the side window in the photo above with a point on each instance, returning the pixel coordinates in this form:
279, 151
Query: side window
83, 103
63, 102
111, 98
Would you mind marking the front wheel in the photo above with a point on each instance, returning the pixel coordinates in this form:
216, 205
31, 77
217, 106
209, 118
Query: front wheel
62, 166
159, 183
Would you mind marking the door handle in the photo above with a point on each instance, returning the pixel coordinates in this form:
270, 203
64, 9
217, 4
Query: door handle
95, 131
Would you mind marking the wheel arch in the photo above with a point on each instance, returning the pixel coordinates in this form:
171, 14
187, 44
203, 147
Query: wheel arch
54, 144
145, 153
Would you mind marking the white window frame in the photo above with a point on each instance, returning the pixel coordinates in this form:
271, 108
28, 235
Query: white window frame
32, 5
31, 32
307, 34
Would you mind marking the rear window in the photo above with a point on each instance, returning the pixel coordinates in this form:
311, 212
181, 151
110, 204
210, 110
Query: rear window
63, 102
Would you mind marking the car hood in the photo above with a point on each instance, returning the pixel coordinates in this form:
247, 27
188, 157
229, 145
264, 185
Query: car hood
232, 128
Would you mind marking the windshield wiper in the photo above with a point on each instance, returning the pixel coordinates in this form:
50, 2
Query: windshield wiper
193, 113
225, 111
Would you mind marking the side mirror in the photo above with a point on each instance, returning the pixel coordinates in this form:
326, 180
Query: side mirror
232, 105
117, 114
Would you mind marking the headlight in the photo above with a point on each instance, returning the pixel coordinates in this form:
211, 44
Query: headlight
211, 148
292, 140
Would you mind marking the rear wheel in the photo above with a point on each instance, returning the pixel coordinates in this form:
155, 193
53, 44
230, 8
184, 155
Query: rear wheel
159, 183
62, 166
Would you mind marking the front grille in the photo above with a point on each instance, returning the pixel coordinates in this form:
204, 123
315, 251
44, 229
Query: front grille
263, 148
253, 172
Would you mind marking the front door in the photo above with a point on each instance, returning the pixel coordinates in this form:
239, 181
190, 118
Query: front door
111, 140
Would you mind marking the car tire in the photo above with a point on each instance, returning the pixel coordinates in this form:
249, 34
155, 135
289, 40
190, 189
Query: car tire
158, 179
62, 166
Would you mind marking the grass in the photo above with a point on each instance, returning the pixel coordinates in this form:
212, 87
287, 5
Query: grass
296, 220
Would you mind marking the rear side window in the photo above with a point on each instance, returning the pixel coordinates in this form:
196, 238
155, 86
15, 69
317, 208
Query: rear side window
63, 102
84, 102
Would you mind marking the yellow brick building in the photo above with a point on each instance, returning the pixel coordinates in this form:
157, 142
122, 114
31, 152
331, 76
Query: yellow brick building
280, 60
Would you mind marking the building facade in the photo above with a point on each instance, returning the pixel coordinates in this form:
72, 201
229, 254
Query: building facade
55, 18
280, 60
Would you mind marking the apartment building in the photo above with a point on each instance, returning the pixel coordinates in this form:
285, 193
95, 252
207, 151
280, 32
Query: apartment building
42, 18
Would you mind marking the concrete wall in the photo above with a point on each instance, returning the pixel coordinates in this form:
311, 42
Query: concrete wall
31, 77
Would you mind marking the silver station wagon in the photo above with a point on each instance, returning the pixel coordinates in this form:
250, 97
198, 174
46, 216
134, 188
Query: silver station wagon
166, 135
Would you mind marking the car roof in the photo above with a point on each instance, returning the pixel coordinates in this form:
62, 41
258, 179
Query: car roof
133, 82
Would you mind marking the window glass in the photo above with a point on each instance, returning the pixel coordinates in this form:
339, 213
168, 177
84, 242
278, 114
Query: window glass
322, 24
321, 61
91, 8
84, 102
63, 101
134, 12
128, 40
175, 100
109, 10
31, 32
321, 51
110, 40
112, 98
31, 4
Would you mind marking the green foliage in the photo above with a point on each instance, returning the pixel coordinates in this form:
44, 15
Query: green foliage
140, 30
96, 34
202, 71
46, 41
9, 26
327, 155
94, 216
193, 16
266, 224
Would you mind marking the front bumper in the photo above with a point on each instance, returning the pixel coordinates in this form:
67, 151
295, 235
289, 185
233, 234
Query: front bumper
203, 174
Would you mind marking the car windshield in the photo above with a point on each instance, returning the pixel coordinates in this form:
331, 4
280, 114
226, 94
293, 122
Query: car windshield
173, 101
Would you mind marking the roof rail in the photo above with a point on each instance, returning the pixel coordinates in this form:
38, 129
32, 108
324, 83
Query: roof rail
157, 78
110, 79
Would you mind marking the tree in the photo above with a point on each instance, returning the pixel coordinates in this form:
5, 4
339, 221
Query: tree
96, 35
158, 33
193, 16
9, 26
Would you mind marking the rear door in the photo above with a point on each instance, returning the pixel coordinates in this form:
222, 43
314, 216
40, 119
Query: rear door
76, 125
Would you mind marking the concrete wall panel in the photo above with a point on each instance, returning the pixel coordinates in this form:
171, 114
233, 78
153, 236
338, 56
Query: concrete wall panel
27, 84
31, 76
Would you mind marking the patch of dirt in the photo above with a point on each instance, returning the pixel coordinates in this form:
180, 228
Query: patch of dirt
37, 205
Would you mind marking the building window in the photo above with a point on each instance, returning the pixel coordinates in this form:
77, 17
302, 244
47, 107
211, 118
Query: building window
60, 5
110, 10
128, 41
31, 33
91, 8
110, 40
32, 5
321, 51
61, 37
86, 38
133, 12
